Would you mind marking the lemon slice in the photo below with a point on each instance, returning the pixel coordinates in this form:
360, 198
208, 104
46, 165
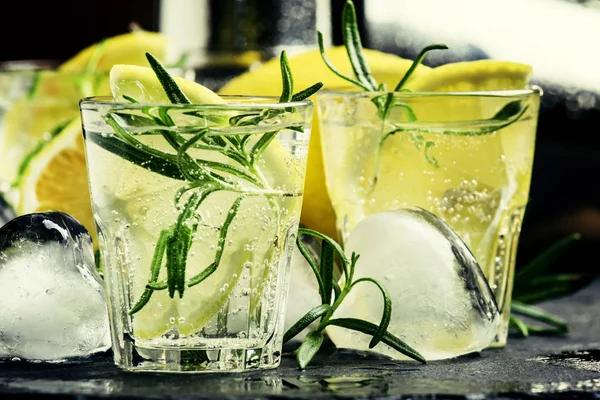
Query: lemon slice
471, 76
307, 69
142, 84
150, 209
24, 125
52, 97
56, 179
127, 48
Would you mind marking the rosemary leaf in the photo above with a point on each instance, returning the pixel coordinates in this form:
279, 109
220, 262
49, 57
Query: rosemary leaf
541, 263
306, 93
261, 145
326, 270
370, 329
178, 246
354, 47
305, 321
418, 60
287, 80
155, 265
332, 67
309, 347
338, 249
538, 314
126, 151
174, 93
313, 264
387, 311
208, 271
520, 325
548, 287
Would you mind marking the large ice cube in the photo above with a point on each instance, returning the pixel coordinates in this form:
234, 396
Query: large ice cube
442, 304
52, 302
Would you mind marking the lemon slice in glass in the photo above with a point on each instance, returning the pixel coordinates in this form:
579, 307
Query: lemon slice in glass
150, 210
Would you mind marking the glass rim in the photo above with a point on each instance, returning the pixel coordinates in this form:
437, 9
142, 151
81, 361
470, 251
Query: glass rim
245, 103
529, 91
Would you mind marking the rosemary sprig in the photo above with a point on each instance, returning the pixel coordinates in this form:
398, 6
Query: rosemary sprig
332, 295
202, 176
532, 285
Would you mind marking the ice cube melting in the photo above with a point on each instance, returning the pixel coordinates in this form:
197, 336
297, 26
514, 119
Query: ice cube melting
52, 301
442, 304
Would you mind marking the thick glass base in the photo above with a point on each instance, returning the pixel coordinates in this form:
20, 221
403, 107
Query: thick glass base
136, 358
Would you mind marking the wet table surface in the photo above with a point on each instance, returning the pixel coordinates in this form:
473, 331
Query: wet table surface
536, 367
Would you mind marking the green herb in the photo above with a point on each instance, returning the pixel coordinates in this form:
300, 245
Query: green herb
386, 102
203, 177
332, 295
533, 284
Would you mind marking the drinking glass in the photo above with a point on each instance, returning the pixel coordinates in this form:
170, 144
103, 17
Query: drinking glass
466, 157
197, 209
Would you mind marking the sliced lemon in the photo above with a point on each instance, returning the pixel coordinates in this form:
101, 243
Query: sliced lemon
51, 97
25, 125
471, 76
127, 48
307, 69
56, 179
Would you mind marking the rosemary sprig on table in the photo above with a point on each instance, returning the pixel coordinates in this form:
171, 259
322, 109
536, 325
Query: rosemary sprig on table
533, 284
332, 295
203, 177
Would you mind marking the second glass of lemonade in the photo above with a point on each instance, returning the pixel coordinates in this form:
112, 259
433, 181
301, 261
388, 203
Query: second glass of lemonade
197, 208
466, 157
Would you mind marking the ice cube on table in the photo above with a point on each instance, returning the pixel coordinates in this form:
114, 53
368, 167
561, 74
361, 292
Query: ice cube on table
52, 302
442, 305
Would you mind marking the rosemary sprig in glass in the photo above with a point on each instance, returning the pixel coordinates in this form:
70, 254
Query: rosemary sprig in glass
388, 101
332, 294
203, 177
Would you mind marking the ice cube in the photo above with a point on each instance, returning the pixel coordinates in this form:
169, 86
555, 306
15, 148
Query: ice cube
52, 302
442, 304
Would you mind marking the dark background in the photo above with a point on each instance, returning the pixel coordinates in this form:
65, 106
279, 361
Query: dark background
565, 195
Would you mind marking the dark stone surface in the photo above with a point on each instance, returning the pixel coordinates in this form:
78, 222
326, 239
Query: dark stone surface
536, 367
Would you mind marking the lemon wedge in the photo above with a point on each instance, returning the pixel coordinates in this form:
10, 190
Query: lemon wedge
56, 179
